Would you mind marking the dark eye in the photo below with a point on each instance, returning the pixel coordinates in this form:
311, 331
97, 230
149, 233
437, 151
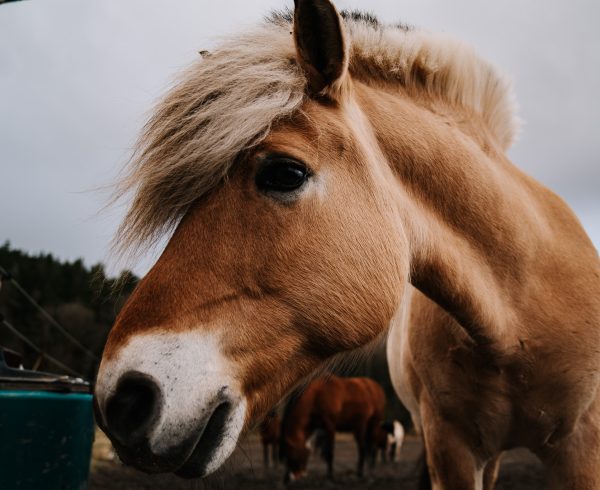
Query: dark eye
281, 175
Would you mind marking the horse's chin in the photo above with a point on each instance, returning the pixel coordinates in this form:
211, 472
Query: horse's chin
217, 442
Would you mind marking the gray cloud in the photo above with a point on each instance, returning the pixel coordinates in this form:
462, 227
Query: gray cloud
77, 80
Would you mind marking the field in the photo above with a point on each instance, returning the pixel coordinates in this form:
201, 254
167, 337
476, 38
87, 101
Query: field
519, 471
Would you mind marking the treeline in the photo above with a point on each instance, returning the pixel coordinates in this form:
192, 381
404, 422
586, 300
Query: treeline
82, 299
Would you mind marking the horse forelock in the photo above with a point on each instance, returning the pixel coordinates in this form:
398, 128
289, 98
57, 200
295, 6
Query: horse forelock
226, 103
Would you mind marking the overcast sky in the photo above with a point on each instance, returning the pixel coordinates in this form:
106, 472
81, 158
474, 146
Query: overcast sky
78, 79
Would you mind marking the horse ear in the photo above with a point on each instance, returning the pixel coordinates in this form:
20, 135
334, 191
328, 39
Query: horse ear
320, 46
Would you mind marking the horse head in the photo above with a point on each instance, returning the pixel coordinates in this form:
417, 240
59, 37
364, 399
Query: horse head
296, 458
286, 250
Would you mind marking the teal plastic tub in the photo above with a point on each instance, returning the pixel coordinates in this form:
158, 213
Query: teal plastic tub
46, 431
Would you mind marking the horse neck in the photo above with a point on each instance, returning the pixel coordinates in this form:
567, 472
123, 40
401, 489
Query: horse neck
482, 234
296, 420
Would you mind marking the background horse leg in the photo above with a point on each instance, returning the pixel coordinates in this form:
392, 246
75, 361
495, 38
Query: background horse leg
328, 449
451, 463
392, 452
265, 455
371, 443
360, 438
275, 455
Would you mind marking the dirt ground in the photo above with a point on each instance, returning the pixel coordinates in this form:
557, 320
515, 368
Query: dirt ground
519, 471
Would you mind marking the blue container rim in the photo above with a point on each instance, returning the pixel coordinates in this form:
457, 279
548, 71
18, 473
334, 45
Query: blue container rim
45, 395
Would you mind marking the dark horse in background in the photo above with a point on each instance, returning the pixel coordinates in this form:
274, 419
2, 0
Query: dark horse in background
330, 405
389, 439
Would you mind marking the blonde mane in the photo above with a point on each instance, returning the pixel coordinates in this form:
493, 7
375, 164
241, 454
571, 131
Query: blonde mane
228, 101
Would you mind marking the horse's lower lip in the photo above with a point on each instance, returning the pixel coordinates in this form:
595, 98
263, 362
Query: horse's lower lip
210, 440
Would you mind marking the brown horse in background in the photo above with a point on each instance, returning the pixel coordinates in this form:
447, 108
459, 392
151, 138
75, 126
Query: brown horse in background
269, 437
331, 405
388, 438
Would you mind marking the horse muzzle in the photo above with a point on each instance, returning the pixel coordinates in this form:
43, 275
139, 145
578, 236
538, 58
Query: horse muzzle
169, 413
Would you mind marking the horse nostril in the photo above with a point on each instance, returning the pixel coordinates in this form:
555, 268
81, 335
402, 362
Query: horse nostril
132, 410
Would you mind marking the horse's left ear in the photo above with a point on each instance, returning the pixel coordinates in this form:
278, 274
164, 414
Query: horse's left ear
321, 46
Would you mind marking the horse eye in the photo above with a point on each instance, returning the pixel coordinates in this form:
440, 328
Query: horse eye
281, 175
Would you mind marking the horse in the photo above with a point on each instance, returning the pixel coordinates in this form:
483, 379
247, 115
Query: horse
329, 405
308, 178
269, 437
389, 437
